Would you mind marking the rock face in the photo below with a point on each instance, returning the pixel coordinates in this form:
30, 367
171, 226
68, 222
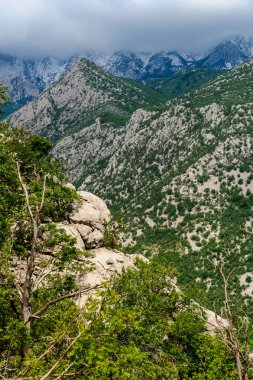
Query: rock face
28, 78
87, 221
93, 211
87, 226
228, 54
106, 263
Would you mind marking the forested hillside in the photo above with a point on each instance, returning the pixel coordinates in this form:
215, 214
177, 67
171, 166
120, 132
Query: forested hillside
138, 325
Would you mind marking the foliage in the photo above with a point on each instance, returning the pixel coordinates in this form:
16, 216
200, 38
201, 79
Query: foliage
142, 328
3, 97
183, 82
32, 194
112, 233
182, 181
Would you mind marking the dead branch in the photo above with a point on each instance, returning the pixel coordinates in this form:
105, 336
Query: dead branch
230, 335
25, 290
24, 187
62, 357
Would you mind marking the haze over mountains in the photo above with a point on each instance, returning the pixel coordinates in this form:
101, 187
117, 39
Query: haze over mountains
28, 78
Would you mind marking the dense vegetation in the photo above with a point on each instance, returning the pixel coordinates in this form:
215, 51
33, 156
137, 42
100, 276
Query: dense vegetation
183, 82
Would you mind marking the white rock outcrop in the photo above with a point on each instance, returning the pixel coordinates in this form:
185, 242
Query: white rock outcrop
87, 221
87, 226
107, 263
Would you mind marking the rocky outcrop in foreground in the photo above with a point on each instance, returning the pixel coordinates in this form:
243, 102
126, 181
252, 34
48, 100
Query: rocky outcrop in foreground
96, 265
87, 221
87, 224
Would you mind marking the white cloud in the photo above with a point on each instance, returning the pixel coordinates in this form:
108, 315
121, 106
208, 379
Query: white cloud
61, 27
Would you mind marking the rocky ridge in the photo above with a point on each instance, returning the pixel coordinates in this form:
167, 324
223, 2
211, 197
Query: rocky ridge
79, 97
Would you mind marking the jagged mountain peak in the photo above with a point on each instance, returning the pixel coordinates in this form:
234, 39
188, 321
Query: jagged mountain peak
229, 54
28, 78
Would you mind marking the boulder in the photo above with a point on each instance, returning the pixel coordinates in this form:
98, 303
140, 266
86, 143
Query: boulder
92, 238
84, 231
98, 204
95, 239
92, 211
87, 221
72, 231
70, 186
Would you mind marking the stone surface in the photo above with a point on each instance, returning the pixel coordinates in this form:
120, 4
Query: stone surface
214, 321
92, 212
72, 231
97, 203
84, 231
70, 186
107, 263
95, 239
87, 221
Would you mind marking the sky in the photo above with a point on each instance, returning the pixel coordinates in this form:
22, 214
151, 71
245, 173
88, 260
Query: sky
60, 28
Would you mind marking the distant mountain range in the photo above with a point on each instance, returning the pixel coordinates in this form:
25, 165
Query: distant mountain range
28, 78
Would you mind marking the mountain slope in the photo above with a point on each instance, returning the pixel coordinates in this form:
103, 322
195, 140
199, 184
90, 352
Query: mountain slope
181, 177
228, 54
84, 93
184, 176
26, 79
184, 81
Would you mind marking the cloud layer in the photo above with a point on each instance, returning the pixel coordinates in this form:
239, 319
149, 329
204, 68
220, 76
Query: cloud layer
33, 28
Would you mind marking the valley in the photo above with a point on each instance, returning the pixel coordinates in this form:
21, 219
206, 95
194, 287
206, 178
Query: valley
178, 173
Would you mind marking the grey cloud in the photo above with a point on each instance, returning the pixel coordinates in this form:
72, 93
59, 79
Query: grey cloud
33, 28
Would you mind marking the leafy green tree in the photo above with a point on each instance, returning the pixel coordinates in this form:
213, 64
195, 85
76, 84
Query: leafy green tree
147, 330
35, 255
3, 97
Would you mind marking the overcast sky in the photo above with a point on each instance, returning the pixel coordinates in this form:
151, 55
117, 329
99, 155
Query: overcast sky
35, 28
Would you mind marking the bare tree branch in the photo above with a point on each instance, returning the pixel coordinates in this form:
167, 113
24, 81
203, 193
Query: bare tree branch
230, 335
25, 292
64, 372
23, 185
62, 357
44, 274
